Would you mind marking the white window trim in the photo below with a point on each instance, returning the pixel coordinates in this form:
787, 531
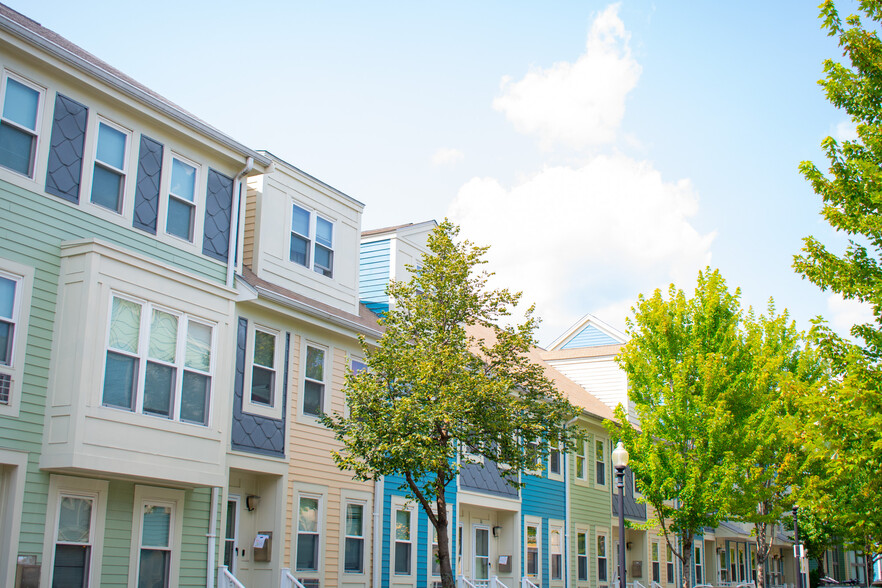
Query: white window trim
38, 131
366, 500
198, 200
698, 564
145, 495
310, 418
582, 531
24, 277
81, 488
350, 359
401, 504
12, 484
128, 187
657, 560
275, 411
602, 532
310, 491
559, 476
557, 525
536, 522
184, 319
311, 240
584, 455
606, 469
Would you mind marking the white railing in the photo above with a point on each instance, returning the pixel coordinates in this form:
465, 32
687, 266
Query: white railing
655, 584
746, 585
495, 582
289, 581
636, 584
463, 582
226, 579
525, 583
702, 586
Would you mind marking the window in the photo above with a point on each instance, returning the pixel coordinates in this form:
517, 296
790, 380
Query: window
733, 564
158, 362
656, 563
669, 564
157, 529
699, 578
308, 534
602, 575
403, 542
353, 558
312, 245
109, 170
18, 124
581, 463
582, 555
600, 463
263, 367
554, 462
74, 541
181, 211
10, 303
314, 381
555, 554
435, 564
532, 550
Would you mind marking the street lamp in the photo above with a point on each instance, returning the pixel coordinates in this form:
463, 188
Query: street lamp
797, 552
620, 462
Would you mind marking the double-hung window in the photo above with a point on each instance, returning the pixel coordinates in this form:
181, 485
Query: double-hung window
158, 362
582, 556
600, 462
314, 381
555, 554
109, 169
353, 556
312, 241
74, 540
554, 465
669, 564
263, 367
656, 564
532, 550
403, 542
307, 558
10, 308
181, 206
19, 121
155, 550
699, 566
602, 575
581, 463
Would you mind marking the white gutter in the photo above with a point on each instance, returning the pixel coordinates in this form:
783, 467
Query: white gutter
378, 531
212, 539
235, 228
128, 88
316, 312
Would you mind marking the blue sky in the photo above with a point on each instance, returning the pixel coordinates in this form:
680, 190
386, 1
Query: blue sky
601, 150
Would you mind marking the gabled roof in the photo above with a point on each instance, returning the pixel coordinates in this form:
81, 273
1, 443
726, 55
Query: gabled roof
571, 390
35, 34
589, 331
406, 229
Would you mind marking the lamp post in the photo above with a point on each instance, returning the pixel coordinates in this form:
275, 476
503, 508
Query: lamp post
797, 552
620, 461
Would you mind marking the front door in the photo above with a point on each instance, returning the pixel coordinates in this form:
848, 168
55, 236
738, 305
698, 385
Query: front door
231, 535
482, 553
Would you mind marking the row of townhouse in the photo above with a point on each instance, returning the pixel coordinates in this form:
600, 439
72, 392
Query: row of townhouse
176, 311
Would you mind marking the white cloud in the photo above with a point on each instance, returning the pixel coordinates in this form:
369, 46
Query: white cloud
845, 131
585, 239
843, 314
447, 156
578, 104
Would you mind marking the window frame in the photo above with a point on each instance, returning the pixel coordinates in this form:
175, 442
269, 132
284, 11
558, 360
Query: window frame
583, 556
95, 490
23, 276
552, 474
398, 507
670, 569
581, 453
601, 463
556, 552
196, 205
533, 523
319, 513
312, 239
142, 357
698, 563
655, 561
124, 173
248, 404
38, 120
598, 535
346, 536
154, 496
307, 344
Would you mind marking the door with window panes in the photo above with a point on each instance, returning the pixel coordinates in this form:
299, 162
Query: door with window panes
231, 535
482, 553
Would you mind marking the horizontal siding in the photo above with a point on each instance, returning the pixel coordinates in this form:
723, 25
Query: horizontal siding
374, 271
194, 542
590, 336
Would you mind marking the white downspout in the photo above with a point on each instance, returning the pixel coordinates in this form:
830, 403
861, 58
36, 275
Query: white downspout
378, 531
567, 481
212, 539
234, 219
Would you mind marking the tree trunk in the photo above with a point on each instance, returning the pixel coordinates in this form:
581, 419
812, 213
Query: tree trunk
686, 549
443, 531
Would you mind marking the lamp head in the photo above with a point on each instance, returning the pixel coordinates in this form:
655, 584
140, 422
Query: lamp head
620, 456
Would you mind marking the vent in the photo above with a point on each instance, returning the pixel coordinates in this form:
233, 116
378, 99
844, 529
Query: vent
5, 388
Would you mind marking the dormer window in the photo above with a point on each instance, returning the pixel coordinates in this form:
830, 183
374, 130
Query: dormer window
312, 241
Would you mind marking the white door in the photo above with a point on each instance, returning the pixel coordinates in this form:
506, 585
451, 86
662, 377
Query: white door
482, 553
231, 534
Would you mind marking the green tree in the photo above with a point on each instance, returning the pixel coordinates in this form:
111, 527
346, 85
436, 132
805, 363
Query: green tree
445, 377
686, 367
780, 366
843, 422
